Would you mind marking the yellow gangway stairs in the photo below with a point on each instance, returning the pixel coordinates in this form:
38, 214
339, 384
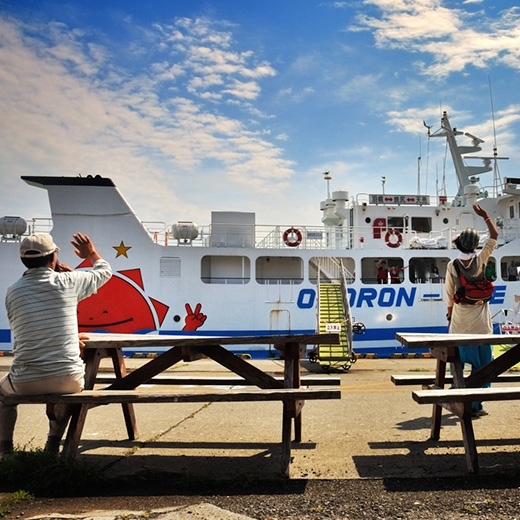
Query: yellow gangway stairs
333, 317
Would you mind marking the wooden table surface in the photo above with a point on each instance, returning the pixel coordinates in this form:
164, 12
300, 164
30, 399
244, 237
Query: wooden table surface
417, 340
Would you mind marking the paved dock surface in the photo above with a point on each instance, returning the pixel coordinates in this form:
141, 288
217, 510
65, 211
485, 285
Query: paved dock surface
376, 431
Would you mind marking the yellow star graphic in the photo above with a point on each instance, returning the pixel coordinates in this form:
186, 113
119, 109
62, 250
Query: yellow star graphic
122, 249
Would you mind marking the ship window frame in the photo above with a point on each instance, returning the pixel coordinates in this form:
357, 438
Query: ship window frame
369, 269
285, 278
238, 272
423, 277
504, 266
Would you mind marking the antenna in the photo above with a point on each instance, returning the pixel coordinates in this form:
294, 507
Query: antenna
419, 159
497, 181
327, 177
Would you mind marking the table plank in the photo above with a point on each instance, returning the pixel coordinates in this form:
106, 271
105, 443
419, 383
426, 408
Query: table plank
99, 340
417, 340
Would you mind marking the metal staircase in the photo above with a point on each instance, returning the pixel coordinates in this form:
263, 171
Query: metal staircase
333, 317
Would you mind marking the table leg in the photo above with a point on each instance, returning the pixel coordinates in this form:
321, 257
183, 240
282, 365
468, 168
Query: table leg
466, 424
492, 370
468, 437
440, 378
92, 358
286, 440
118, 361
292, 380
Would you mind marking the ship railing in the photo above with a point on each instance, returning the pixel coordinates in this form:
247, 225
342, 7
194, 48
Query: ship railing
279, 281
509, 229
35, 225
39, 225
226, 280
289, 237
332, 269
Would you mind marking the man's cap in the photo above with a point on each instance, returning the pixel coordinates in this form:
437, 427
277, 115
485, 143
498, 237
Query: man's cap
468, 240
37, 245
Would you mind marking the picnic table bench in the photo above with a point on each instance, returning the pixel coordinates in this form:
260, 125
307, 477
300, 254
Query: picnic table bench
125, 388
463, 390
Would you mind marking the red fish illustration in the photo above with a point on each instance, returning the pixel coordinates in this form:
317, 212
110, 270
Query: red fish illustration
121, 305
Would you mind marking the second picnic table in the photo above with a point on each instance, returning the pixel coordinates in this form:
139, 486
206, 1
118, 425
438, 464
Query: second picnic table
443, 348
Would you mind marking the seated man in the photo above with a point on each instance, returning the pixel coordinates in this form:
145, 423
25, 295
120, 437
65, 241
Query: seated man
42, 312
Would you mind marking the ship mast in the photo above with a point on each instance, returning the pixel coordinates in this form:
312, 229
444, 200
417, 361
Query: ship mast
465, 174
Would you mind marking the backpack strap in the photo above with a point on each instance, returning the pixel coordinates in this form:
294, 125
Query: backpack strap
457, 266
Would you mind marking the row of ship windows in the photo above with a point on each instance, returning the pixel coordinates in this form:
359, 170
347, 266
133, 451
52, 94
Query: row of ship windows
292, 270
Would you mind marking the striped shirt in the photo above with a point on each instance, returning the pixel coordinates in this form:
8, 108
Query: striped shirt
42, 312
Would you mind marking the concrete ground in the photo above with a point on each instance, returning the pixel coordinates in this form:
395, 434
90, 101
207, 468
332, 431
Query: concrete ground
376, 430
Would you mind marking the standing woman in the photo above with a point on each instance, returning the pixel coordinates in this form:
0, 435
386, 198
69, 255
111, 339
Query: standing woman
464, 318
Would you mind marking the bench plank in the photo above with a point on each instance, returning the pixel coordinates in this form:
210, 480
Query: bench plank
98, 397
222, 381
429, 379
464, 395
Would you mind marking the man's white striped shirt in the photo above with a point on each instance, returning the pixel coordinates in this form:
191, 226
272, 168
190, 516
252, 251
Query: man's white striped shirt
42, 311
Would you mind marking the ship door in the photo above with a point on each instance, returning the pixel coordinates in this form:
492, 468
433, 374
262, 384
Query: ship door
378, 227
467, 220
280, 321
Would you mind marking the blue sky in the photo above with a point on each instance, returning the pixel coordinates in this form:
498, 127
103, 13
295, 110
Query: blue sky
193, 106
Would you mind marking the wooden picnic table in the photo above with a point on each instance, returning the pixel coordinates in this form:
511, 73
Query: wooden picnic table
443, 348
189, 348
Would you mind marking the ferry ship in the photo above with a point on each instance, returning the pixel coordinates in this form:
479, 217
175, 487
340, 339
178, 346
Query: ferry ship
236, 277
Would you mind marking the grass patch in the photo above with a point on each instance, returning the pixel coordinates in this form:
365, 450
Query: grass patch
43, 474
13, 500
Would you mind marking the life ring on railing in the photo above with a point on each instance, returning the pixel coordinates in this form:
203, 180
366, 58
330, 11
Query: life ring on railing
393, 238
292, 237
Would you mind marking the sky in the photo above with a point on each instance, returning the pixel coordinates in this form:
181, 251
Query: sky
197, 106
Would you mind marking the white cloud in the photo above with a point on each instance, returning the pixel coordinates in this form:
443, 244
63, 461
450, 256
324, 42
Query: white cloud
454, 38
71, 108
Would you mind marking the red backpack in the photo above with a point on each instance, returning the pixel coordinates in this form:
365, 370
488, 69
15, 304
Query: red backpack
476, 292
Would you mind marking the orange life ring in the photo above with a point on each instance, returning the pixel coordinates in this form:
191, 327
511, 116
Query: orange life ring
292, 237
393, 238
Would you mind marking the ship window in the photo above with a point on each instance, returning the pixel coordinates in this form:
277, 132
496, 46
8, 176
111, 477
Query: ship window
509, 268
396, 223
511, 212
422, 224
170, 267
329, 269
229, 270
276, 270
372, 270
428, 269
491, 269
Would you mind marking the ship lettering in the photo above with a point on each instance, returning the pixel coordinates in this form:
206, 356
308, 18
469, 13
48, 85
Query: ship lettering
385, 297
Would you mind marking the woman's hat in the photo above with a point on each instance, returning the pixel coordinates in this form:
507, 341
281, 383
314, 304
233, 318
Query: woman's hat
468, 240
